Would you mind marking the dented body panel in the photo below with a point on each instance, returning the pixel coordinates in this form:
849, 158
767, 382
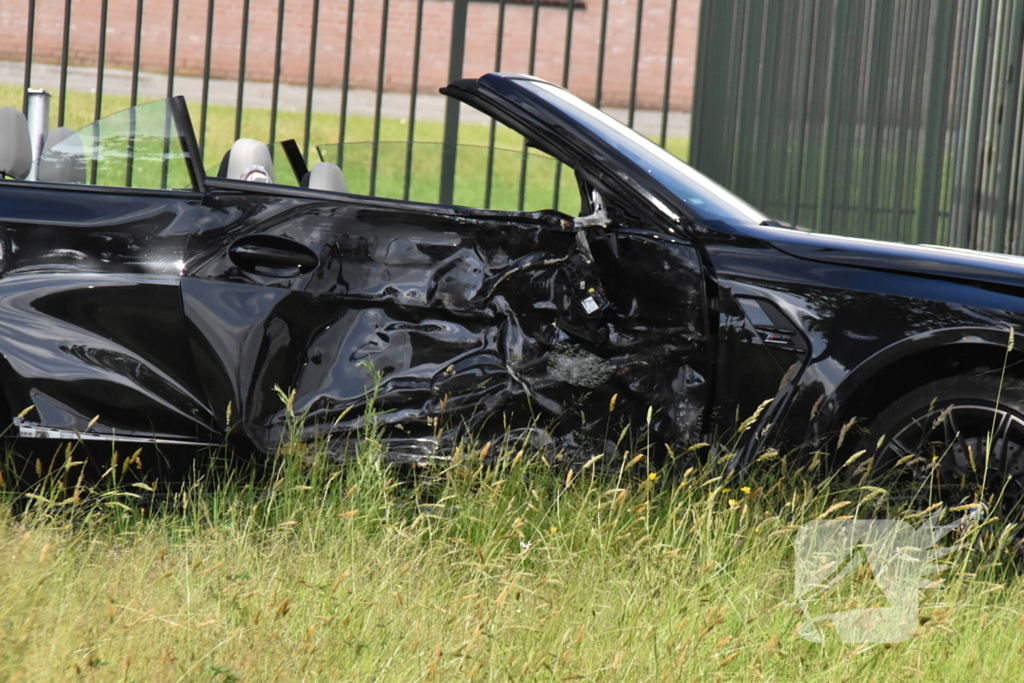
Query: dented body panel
463, 316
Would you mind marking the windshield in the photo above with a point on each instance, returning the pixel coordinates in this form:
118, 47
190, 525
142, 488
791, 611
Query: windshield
704, 197
140, 147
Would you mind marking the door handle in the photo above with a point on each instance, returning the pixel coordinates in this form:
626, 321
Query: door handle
272, 256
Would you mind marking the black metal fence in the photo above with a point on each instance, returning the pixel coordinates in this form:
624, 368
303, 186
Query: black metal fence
893, 119
232, 21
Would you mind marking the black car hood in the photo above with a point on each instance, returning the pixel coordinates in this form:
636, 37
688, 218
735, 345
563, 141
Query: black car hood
928, 260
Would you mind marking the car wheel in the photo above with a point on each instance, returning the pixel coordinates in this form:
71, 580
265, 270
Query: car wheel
949, 439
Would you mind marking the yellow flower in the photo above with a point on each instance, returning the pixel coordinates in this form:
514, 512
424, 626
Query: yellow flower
726, 490
653, 476
745, 489
733, 503
553, 530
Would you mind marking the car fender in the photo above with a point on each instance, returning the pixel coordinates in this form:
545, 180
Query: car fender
832, 412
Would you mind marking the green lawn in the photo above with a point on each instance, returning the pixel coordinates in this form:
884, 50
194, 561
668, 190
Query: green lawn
520, 571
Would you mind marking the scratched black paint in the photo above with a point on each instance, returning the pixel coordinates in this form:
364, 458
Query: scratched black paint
154, 310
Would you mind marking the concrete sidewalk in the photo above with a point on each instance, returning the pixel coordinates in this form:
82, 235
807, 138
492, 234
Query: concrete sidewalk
290, 98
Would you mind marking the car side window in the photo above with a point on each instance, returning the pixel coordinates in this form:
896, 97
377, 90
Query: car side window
135, 148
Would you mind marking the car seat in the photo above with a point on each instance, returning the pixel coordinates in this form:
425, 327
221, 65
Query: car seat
15, 144
248, 160
325, 176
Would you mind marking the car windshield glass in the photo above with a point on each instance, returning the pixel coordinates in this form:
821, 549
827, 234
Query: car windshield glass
704, 197
138, 147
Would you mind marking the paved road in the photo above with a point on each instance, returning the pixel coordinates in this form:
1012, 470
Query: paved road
291, 98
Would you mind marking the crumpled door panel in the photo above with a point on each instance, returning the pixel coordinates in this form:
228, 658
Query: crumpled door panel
459, 321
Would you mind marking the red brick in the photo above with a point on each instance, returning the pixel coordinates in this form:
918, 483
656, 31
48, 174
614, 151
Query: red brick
481, 41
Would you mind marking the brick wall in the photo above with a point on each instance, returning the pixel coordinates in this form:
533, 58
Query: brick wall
330, 58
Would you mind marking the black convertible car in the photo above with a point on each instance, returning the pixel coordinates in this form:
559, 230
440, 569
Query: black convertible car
667, 304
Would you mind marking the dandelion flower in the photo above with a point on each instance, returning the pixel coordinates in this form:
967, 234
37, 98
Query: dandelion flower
745, 489
653, 476
726, 490
733, 503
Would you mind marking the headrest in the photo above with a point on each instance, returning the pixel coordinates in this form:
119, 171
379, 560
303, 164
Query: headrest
15, 144
250, 160
325, 176
63, 158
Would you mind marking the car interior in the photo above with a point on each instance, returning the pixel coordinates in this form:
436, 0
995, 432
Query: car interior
15, 144
135, 148
250, 160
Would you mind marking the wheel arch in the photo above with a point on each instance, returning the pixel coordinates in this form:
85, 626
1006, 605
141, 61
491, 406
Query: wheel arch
913, 362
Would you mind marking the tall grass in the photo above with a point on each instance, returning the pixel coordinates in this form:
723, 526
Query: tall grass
514, 569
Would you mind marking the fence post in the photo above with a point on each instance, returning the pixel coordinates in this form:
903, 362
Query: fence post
451, 113
933, 159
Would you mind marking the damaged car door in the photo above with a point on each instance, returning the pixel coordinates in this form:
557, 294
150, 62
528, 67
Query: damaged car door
355, 306
438, 321
431, 321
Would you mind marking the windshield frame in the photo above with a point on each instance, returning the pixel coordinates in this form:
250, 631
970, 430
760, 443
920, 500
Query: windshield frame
674, 177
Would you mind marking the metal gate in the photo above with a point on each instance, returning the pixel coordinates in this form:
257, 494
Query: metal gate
891, 119
213, 46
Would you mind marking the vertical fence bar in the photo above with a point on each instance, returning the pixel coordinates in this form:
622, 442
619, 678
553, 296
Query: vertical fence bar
310, 80
990, 108
566, 54
636, 61
932, 161
911, 124
29, 45
207, 59
874, 118
738, 73
172, 51
171, 59
1009, 103
801, 122
533, 61
350, 16
492, 133
669, 52
957, 222
890, 123
451, 114
975, 128
101, 57
523, 165
134, 92
413, 91
276, 88
378, 101
243, 50
137, 51
601, 40
65, 45
701, 93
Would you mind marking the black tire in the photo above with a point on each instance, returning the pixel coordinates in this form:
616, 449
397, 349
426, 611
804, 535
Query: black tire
933, 443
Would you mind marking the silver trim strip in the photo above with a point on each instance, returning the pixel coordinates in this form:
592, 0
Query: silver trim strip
31, 430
